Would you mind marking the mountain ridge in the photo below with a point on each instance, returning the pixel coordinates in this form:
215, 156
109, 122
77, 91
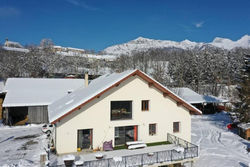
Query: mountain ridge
142, 44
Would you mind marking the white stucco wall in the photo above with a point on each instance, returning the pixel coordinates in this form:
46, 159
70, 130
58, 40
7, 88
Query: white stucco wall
96, 115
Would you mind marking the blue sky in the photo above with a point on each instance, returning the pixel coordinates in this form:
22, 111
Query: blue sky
97, 24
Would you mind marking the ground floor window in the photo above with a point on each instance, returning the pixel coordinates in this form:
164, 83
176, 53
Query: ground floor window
176, 127
152, 129
84, 138
124, 134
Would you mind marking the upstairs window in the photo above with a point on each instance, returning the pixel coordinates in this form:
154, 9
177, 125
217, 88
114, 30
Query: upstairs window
152, 129
121, 110
145, 105
176, 127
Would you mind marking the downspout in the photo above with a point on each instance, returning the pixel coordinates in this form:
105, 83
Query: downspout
55, 138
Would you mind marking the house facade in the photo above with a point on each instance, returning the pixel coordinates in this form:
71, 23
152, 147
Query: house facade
129, 106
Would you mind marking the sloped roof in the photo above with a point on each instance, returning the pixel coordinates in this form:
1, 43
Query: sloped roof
192, 97
13, 43
37, 91
72, 102
244, 126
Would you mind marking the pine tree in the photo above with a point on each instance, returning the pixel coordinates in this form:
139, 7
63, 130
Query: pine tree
244, 90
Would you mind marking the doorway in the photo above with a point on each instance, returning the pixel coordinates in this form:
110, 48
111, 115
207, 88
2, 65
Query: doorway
124, 134
84, 138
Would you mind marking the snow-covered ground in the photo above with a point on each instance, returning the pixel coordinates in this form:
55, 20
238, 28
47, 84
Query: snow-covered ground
218, 146
21, 146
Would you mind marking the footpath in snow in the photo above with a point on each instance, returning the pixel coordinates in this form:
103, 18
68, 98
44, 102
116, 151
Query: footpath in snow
218, 146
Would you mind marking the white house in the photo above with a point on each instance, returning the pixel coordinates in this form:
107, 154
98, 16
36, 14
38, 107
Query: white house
121, 107
31, 96
14, 46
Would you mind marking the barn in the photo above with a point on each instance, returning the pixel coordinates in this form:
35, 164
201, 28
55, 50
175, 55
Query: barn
27, 99
208, 104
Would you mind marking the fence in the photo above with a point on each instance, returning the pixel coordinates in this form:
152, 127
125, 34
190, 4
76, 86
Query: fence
190, 151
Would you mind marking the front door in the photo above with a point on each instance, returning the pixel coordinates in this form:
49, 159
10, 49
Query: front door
84, 139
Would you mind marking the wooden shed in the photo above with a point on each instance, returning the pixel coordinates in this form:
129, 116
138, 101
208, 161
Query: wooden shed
244, 130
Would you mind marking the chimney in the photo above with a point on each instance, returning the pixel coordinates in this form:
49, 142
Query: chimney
6, 42
86, 79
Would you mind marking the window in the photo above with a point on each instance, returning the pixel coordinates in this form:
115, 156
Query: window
124, 134
152, 129
176, 127
121, 110
145, 105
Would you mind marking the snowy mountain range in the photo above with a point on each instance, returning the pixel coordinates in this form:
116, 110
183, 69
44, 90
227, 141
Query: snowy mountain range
142, 44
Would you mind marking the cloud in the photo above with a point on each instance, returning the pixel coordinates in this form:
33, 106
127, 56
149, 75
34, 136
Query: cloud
199, 24
9, 11
81, 3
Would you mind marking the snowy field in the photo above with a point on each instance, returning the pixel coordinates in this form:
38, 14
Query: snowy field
21, 146
218, 146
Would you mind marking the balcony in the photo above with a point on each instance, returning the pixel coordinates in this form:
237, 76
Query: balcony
179, 150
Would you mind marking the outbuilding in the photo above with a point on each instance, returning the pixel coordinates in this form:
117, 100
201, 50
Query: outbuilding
27, 99
208, 104
244, 130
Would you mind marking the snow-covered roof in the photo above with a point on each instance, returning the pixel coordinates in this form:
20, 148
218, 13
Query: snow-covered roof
16, 49
76, 98
70, 102
37, 91
77, 49
57, 46
244, 126
70, 48
192, 97
17, 44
